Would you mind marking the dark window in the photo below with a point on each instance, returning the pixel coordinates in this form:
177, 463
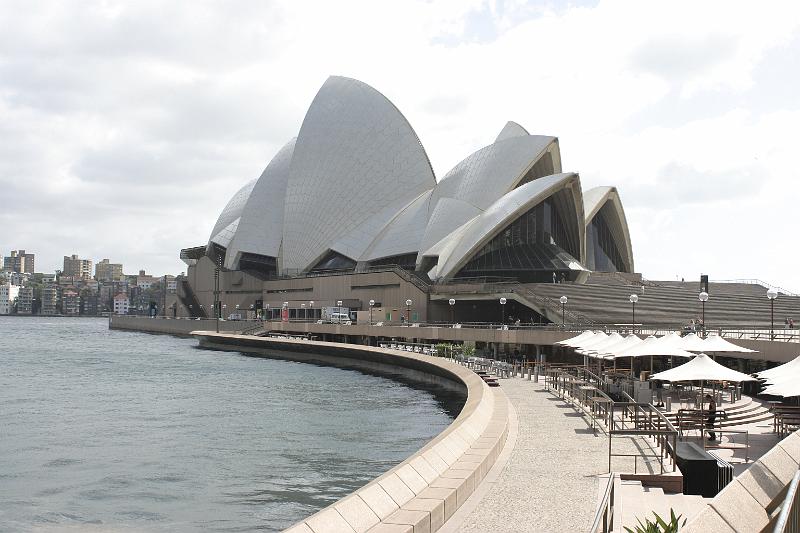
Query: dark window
531, 248
601, 245
334, 261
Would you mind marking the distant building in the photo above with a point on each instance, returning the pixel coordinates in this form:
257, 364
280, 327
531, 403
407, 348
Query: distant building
25, 301
121, 304
19, 261
145, 281
50, 299
172, 284
70, 302
18, 278
77, 267
90, 303
107, 271
8, 293
48, 278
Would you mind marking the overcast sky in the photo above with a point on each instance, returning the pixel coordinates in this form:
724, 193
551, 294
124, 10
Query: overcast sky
126, 126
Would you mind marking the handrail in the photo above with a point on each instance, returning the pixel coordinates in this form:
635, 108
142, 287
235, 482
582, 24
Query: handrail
645, 425
789, 518
753, 281
604, 517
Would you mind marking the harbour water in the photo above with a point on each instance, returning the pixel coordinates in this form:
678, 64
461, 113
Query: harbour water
116, 431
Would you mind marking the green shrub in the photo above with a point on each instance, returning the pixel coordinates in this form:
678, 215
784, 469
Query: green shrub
659, 526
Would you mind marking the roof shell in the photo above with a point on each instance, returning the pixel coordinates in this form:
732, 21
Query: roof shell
356, 158
230, 214
511, 129
261, 226
593, 201
503, 212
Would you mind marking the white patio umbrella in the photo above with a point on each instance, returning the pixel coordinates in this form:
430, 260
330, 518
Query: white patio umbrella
673, 340
693, 343
652, 346
588, 343
594, 347
586, 335
786, 389
610, 352
702, 368
716, 344
786, 369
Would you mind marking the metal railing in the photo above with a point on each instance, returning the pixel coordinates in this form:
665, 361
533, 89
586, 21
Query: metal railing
604, 517
643, 419
789, 517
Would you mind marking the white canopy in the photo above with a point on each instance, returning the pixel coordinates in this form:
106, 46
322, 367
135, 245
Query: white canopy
693, 343
609, 352
716, 344
586, 335
703, 368
672, 340
651, 346
611, 340
786, 369
786, 388
588, 343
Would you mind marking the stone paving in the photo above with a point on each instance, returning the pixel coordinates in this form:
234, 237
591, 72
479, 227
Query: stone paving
550, 481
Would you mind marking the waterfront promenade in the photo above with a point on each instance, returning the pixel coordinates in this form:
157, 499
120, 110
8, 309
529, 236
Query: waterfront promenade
549, 482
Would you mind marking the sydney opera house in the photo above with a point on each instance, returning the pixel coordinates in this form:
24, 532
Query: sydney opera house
350, 211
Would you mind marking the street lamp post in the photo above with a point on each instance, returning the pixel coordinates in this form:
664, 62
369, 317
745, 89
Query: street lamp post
563, 301
703, 297
772, 294
217, 310
502, 311
408, 311
634, 298
303, 307
371, 304
452, 303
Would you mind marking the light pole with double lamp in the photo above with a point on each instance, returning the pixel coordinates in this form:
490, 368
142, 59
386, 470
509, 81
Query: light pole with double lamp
408, 311
563, 301
703, 297
371, 305
502, 311
772, 294
452, 303
633, 299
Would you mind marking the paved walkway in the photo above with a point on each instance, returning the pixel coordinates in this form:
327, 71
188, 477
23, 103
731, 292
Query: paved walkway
550, 481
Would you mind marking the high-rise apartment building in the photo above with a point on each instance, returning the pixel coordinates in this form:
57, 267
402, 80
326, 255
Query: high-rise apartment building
8, 295
108, 271
19, 261
25, 301
50, 299
70, 302
77, 268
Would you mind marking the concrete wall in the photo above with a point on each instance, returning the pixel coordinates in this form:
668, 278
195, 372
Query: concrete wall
168, 325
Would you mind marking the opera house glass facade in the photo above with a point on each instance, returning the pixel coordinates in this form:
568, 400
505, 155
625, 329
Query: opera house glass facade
355, 190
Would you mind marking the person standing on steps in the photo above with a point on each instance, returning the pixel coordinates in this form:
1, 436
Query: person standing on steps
712, 416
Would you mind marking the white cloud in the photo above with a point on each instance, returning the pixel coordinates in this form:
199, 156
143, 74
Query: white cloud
146, 116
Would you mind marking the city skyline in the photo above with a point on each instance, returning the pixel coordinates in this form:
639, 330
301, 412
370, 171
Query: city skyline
136, 125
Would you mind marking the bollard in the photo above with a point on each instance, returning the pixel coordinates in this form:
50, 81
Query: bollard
529, 373
536, 373
669, 404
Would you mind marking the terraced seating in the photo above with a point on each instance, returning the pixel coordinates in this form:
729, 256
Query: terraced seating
669, 303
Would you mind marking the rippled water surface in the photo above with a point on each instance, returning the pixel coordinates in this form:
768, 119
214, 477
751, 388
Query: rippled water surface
113, 431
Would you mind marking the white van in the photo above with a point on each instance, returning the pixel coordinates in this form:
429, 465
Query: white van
340, 318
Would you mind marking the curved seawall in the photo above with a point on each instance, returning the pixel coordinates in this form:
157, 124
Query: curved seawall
423, 491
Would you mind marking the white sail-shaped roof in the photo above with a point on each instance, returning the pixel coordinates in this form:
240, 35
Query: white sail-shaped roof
595, 200
261, 226
503, 212
356, 157
402, 235
511, 129
223, 229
